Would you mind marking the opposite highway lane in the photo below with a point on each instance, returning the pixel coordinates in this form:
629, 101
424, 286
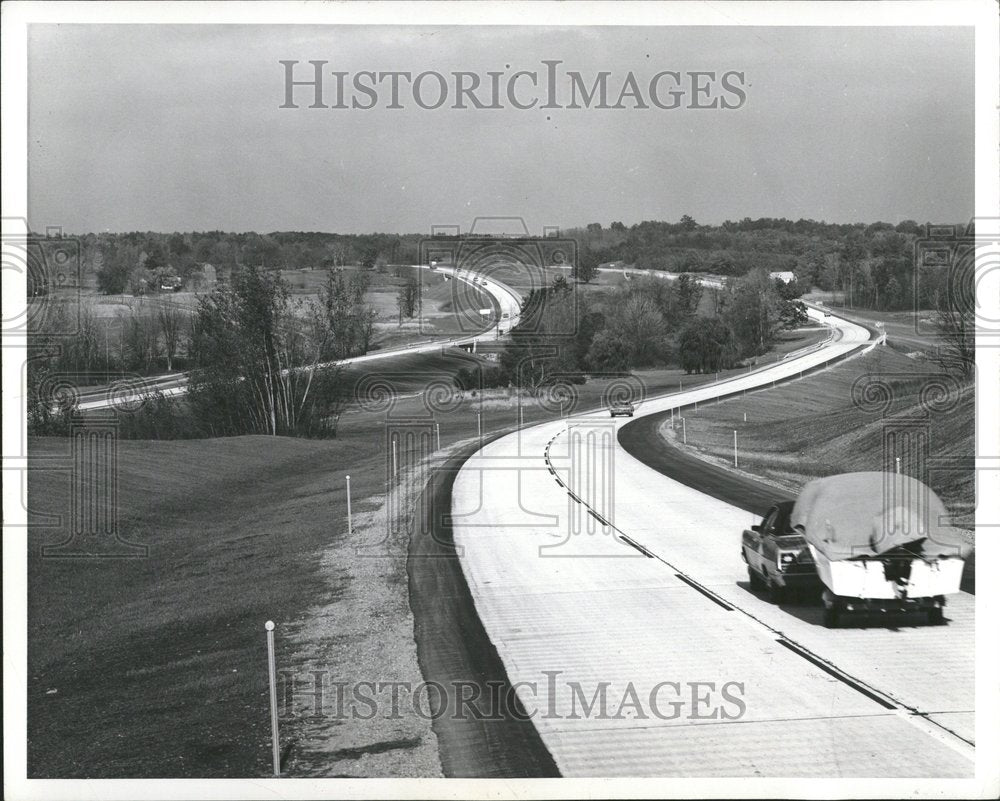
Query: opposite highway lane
544, 518
507, 300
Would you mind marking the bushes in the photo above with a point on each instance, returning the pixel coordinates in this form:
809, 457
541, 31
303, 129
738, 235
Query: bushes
480, 377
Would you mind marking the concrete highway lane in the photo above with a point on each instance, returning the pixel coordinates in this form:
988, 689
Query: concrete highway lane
617, 600
508, 301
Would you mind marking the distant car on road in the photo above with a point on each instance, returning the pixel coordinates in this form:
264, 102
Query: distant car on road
777, 557
623, 408
170, 283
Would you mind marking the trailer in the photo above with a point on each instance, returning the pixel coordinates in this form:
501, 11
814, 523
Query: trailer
881, 543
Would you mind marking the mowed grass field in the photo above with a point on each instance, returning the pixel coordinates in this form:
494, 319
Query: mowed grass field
446, 308
156, 666
822, 424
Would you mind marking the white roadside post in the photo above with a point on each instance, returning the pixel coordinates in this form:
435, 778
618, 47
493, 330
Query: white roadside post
350, 527
479, 424
744, 417
437, 433
395, 459
275, 749
897, 464
684, 425
736, 456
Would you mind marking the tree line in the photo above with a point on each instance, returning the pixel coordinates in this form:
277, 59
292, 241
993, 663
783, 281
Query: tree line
566, 335
252, 349
874, 266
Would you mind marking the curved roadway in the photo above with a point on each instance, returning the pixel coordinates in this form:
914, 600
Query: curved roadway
593, 573
507, 301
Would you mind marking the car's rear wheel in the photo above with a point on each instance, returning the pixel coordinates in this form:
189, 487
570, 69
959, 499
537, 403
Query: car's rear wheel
755, 580
935, 615
775, 591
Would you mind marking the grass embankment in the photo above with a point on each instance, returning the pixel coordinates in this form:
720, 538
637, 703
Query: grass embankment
156, 667
817, 427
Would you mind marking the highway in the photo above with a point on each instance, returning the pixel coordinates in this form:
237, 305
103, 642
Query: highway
591, 570
508, 301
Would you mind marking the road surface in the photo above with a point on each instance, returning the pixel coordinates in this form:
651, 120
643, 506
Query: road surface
592, 573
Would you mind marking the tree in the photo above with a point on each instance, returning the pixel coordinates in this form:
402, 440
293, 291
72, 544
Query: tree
704, 345
751, 311
142, 338
955, 321
792, 314
156, 258
171, 327
851, 255
118, 260
634, 320
788, 290
687, 294
609, 353
538, 352
139, 279
687, 223
344, 323
640, 324
585, 268
408, 297
257, 360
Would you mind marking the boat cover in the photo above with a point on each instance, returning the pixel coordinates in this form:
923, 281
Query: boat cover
867, 514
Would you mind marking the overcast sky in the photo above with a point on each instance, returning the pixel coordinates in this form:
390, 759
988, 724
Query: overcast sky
179, 128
